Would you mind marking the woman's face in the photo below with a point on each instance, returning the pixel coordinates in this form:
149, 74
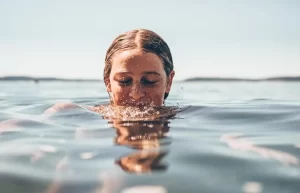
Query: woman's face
137, 79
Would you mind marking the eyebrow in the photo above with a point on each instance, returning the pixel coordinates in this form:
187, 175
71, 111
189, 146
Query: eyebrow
146, 72
151, 72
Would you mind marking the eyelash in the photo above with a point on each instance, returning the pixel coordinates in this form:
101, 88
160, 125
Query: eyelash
145, 82
125, 82
148, 82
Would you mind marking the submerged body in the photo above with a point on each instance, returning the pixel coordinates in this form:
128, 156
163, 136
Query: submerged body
133, 113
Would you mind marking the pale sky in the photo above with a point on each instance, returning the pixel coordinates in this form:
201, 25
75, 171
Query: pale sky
69, 38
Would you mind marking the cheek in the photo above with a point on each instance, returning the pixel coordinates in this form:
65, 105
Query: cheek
156, 94
119, 93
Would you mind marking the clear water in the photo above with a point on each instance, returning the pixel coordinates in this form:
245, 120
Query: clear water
235, 137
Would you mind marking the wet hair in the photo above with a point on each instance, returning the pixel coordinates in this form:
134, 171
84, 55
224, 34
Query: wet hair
140, 39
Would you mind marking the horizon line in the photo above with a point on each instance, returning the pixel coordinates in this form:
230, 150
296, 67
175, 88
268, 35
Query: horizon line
194, 78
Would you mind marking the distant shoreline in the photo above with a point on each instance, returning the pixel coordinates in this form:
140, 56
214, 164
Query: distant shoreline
38, 79
279, 78
194, 79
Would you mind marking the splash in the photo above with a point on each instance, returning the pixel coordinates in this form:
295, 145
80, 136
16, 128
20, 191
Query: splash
130, 113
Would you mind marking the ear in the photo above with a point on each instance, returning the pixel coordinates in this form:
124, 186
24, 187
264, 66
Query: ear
107, 84
169, 81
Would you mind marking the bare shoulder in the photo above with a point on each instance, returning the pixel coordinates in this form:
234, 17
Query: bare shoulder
68, 105
59, 106
96, 109
8, 125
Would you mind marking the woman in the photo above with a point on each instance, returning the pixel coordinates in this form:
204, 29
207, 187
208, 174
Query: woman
138, 73
138, 69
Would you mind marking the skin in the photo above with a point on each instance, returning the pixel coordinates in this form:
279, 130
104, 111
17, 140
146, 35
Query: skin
138, 79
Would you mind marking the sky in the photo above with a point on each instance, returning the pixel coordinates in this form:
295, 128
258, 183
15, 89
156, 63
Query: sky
220, 38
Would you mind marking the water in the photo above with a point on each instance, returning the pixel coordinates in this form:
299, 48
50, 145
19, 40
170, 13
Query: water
235, 137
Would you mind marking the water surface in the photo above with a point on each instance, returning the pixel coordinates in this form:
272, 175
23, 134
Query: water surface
234, 137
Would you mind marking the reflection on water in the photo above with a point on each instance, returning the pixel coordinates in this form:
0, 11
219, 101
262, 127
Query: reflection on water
147, 139
150, 140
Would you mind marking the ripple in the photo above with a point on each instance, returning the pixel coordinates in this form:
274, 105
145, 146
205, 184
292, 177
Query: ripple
241, 138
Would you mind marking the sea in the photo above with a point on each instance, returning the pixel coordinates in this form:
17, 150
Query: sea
229, 137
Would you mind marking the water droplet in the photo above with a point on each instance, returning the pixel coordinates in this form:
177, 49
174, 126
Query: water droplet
145, 189
48, 148
86, 155
252, 187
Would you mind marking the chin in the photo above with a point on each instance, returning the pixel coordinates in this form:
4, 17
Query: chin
138, 103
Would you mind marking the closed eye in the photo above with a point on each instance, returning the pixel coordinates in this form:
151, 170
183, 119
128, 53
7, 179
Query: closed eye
125, 82
148, 82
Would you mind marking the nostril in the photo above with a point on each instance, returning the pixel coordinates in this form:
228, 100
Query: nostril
136, 93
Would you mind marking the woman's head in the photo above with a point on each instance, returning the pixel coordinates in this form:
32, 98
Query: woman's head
138, 69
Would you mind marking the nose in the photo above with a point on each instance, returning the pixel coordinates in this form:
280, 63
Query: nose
136, 92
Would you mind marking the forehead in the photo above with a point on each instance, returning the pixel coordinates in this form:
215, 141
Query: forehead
136, 61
